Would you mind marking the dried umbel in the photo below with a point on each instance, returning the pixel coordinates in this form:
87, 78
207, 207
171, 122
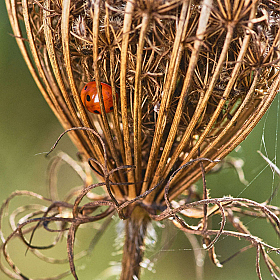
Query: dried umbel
193, 79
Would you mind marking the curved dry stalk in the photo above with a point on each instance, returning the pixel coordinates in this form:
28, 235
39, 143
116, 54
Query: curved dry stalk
124, 52
137, 114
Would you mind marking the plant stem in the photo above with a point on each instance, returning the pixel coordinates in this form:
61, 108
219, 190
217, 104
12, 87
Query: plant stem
133, 251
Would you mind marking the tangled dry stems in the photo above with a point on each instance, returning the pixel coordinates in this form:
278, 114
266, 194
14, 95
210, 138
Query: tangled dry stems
194, 78
54, 218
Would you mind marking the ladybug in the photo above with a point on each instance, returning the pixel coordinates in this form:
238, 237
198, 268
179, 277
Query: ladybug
90, 98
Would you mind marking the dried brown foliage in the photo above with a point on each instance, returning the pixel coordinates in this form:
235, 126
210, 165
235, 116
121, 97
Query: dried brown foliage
193, 79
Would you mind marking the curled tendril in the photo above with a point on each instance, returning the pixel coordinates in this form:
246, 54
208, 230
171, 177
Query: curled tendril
79, 214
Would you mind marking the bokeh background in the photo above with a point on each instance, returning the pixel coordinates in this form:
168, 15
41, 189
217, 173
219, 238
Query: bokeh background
29, 128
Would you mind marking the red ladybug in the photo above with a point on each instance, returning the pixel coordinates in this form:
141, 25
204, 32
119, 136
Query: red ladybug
90, 98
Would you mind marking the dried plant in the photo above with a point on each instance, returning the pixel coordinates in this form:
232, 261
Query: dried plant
194, 78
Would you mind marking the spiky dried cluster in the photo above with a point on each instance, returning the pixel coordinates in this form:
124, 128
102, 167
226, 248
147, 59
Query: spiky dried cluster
190, 81
193, 78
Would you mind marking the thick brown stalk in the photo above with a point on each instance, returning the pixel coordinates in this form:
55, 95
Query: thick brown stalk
133, 251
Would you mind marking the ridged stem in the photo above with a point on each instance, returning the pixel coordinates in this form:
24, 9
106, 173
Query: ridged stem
133, 250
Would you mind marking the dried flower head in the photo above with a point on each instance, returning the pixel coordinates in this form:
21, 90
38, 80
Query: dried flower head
194, 78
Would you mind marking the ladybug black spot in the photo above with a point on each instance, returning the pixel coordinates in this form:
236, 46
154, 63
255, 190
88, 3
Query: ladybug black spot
85, 88
96, 112
111, 108
88, 98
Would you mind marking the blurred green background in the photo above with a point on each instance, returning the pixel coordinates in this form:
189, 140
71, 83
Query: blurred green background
28, 127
